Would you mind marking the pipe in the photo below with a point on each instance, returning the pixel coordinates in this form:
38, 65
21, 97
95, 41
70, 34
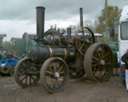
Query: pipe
81, 21
40, 13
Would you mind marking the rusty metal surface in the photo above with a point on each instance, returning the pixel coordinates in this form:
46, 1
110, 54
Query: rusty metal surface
70, 48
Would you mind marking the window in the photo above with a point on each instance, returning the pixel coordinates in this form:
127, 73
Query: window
124, 31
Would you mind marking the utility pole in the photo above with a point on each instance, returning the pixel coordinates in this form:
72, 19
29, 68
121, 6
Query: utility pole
106, 19
106, 11
106, 3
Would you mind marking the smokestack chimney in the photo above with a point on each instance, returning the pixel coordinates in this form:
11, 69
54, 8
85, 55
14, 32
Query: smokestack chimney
40, 13
69, 31
81, 21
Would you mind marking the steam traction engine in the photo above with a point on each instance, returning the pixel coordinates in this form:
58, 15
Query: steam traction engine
59, 56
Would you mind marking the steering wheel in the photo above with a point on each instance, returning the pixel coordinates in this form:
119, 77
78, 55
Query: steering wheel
87, 39
89, 36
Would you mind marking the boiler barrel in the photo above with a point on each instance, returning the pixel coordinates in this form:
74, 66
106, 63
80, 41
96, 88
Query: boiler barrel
42, 53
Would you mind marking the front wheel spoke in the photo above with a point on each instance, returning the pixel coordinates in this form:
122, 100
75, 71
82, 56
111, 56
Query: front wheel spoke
51, 69
95, 58
61, 79
53, 83
94, 69
54, 67
61, 73
99, 55
61, 68
96, 73
102, 55
56, 84
49, 73
94, 65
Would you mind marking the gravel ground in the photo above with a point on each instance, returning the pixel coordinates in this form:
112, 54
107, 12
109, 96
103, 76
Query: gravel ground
75, 91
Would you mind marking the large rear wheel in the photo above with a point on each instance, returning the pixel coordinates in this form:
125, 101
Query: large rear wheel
98, 62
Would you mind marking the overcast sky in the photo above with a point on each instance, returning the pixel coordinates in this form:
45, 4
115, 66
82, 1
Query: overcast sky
18, 16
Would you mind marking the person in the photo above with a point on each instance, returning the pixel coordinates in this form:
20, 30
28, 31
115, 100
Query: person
125, 60
116, 65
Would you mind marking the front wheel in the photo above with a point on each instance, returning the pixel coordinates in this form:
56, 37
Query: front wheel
54, 74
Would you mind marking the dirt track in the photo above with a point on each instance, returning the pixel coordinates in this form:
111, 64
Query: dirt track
75, 91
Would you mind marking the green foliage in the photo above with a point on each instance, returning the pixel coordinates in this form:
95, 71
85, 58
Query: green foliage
107, 18
7, 45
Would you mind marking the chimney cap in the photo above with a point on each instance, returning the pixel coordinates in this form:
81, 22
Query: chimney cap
40, 7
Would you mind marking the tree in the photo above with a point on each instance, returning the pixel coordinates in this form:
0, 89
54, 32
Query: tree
8, 46
107, 17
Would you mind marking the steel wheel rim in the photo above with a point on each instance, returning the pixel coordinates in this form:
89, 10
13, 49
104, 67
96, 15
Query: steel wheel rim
55, 75
26, 75
102, 59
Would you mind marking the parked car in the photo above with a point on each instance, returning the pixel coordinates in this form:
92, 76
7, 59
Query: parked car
7, 65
